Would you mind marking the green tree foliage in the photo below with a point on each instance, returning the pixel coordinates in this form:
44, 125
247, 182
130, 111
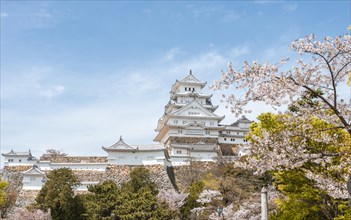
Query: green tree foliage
8, 197
104, 198
142, 205
3, 185
140, 180
136, 199
194, 191
245, 183
305, 197
302, 199
58, 196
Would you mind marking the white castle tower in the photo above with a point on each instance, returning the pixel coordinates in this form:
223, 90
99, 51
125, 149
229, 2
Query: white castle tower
189, 129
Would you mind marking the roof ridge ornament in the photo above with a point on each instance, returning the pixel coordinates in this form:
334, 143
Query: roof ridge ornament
191, 73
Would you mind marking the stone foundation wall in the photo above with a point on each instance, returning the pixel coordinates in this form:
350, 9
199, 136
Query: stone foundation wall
120, 174
229, 149
89, 175
185, 175
17, 168
26, 198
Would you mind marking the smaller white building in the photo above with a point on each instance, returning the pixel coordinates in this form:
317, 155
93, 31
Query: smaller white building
33, 179
236, 132
15, 158
121, 153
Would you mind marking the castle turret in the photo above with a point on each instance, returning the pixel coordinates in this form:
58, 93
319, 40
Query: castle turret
189, 128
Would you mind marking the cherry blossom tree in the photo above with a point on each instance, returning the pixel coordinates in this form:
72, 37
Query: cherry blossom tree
323, 76
174, 199
21, 213
317, 127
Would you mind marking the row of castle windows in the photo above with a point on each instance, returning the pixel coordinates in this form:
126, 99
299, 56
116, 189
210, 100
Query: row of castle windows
187, 101
233, 139
202, 122
228, 132
11, 160
189, 89
181, 131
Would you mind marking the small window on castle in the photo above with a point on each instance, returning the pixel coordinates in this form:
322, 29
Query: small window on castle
32, 178
179, 152
20, 160
180, 131
207, 132
225, 139
186, 89
193, 89
175, 121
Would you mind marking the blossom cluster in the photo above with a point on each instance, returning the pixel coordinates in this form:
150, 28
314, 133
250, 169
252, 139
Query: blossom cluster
315, 87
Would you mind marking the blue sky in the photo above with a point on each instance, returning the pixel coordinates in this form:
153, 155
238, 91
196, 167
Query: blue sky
75, 75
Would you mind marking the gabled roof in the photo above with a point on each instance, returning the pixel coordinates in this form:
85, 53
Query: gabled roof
119, 145
196, 105
34, 171
192, 94
243, 119
18, 153
190, 78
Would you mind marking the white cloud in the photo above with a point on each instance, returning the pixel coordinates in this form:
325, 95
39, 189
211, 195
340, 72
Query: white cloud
138, 82
232, 16
290, 7
147, 11
3, 14
239, 51
53, 91
172, 53
34, 82
263, 2
42, 18
204, 11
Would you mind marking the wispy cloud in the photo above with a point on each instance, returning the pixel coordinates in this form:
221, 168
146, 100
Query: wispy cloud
42, 18
52, 91
239, 51
232, 16
33, 82
204, 11
263, 2
3, 14
147, 11
290, 7
172, 53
